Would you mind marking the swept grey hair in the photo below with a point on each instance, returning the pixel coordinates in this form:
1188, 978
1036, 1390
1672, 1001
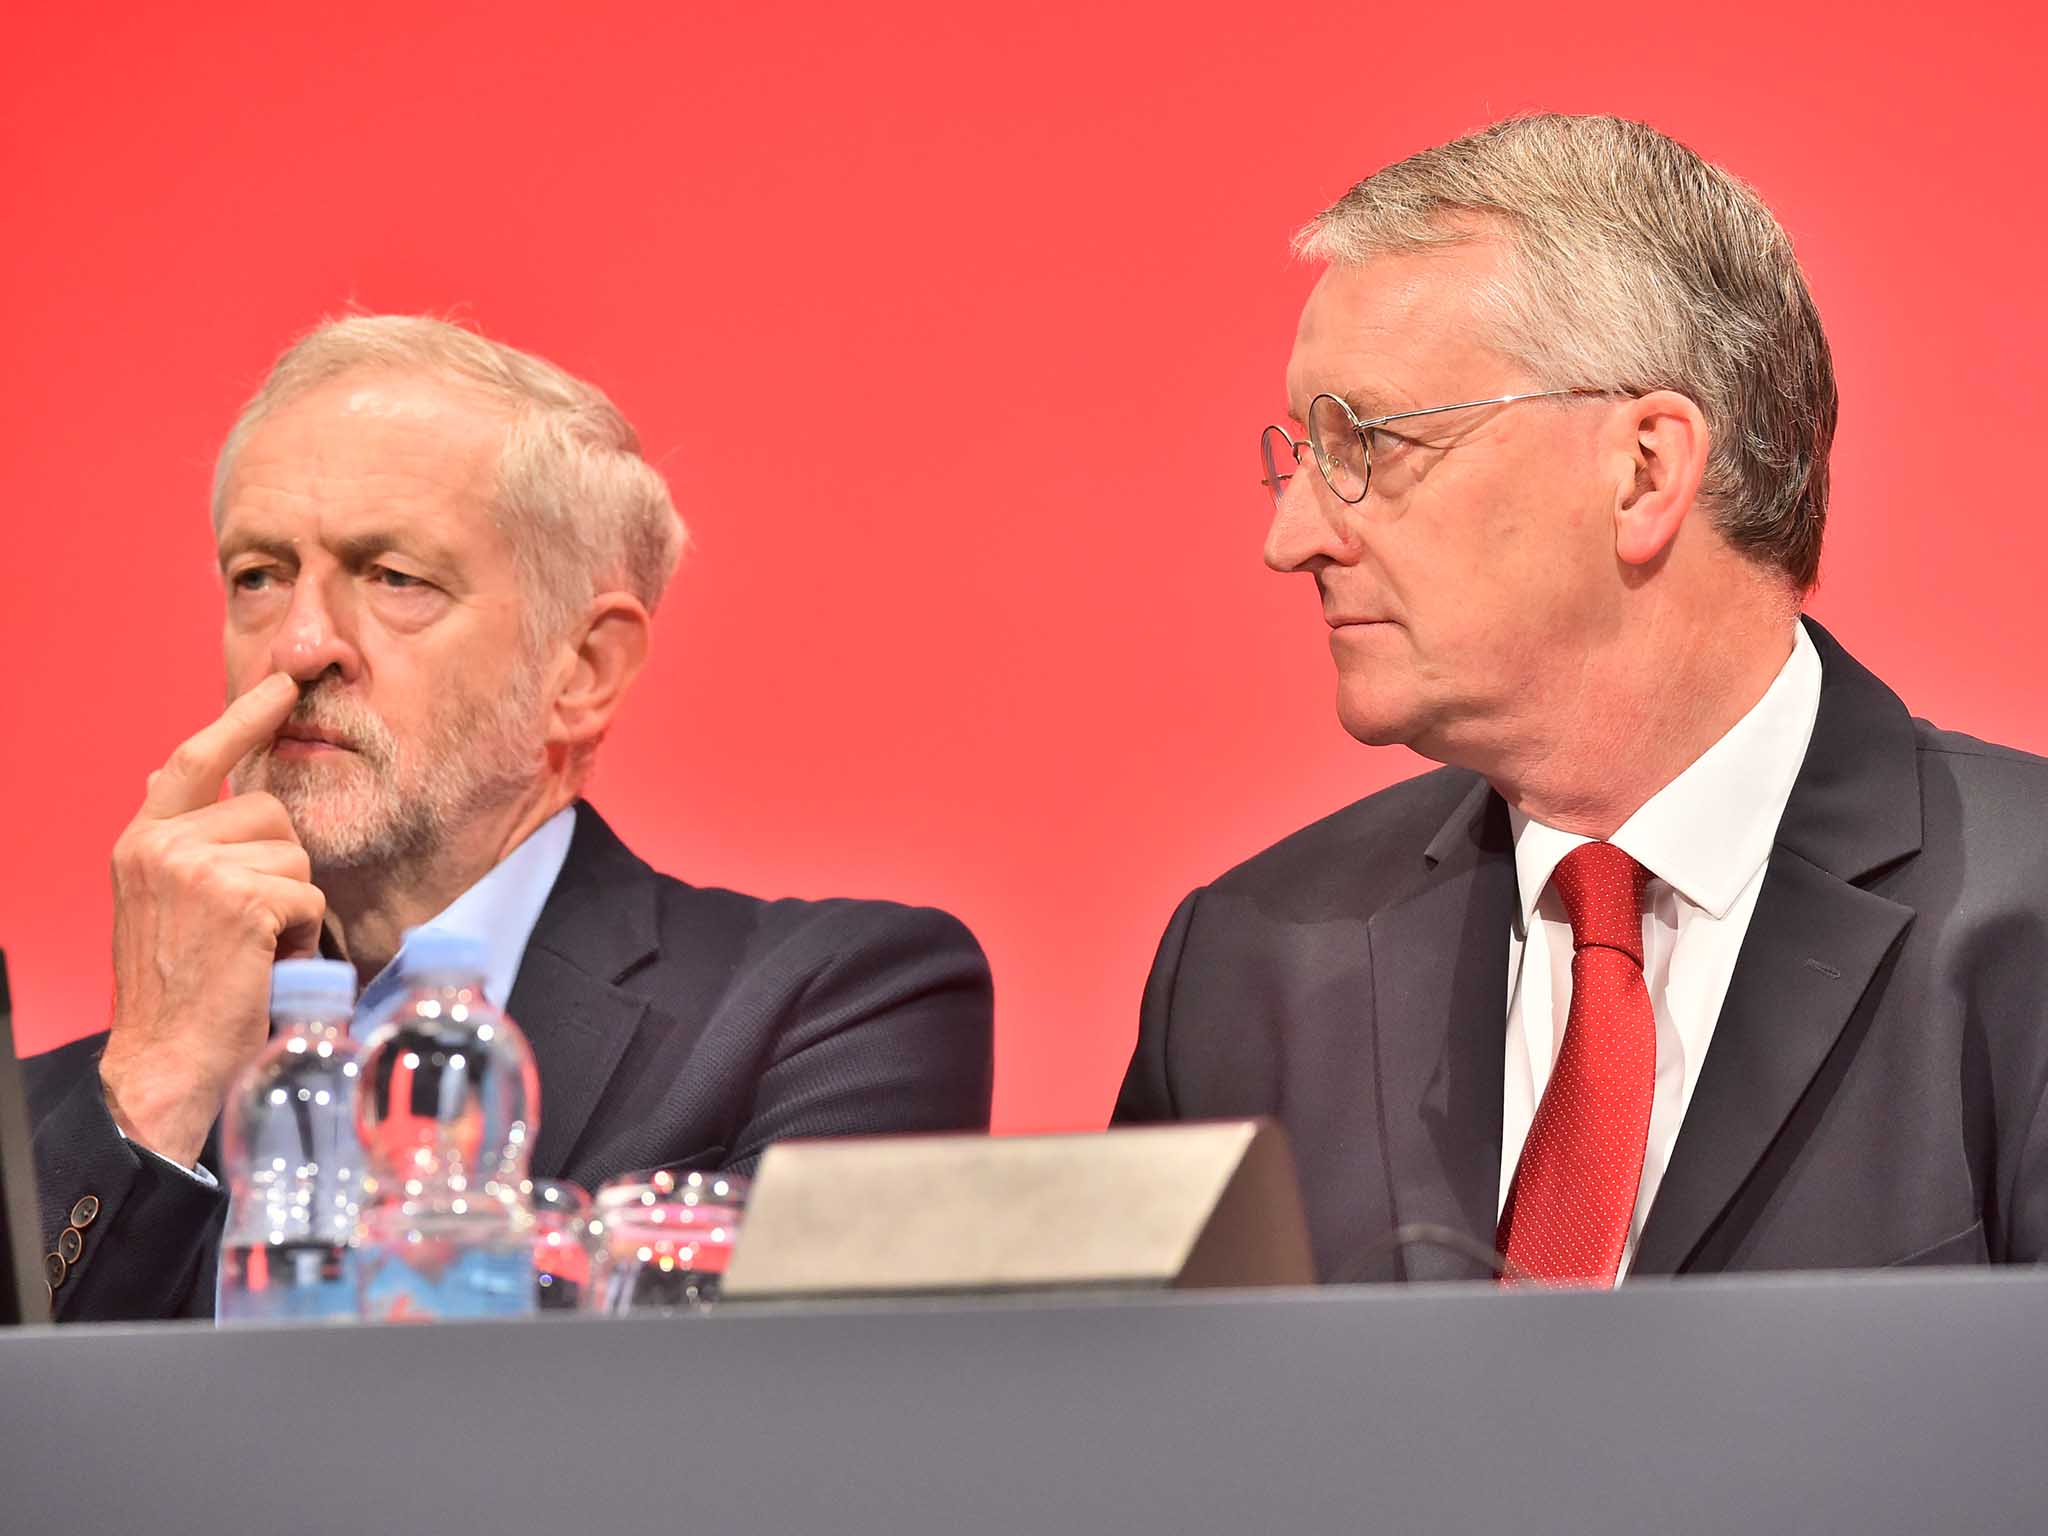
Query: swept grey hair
1633, 264
583, 510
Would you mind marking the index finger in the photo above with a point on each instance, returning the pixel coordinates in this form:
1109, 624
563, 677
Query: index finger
191, 777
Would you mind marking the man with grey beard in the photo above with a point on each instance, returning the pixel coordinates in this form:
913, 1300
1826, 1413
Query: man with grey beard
441, 558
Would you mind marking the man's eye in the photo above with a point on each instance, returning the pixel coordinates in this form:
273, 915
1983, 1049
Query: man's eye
396, 581
254, 579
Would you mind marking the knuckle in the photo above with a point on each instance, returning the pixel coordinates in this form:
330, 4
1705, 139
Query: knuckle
139, 848
267, 810
213, 882
183, 762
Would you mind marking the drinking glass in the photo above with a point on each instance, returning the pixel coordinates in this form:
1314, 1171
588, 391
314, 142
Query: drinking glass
561, 1243
660, 1241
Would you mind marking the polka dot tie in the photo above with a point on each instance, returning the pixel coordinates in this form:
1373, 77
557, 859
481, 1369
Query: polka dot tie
1574, 1191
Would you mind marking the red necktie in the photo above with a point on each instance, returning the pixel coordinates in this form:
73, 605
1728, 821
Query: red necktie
1574, 1193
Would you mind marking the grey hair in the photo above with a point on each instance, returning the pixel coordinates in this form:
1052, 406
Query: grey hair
1633, 264
584, 511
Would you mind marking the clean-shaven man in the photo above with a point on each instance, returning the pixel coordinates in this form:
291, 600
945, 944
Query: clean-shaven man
1700, 954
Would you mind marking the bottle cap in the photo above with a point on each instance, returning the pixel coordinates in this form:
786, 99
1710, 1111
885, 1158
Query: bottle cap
312, 985
436, 952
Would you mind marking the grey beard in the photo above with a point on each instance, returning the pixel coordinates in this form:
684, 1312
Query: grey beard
392, 804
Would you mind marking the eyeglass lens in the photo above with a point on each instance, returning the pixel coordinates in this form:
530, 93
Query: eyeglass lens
1339, 447
1276, 458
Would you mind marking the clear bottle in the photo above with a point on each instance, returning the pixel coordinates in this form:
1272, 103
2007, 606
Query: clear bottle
447, 1104
293, 1164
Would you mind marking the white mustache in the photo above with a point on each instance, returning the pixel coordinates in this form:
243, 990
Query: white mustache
357, 726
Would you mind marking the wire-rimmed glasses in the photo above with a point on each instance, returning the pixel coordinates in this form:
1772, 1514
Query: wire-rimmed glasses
1343, 444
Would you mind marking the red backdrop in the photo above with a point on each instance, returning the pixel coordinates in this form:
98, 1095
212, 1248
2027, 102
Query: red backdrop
954, 329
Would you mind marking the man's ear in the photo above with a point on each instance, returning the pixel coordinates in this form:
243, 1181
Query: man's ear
1660, 450
608, 650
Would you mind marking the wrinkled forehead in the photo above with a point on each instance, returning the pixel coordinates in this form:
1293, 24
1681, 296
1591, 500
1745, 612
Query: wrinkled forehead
1394, 331
392, 444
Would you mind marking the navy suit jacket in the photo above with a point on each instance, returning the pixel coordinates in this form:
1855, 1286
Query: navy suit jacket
1874, 1092
671, 1025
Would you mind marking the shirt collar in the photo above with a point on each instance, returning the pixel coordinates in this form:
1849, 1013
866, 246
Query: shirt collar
501, 910
1709, 830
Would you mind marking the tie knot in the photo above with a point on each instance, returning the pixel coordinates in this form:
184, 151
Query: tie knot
1602, 889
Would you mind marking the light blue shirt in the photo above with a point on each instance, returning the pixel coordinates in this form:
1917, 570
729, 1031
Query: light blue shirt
500, 910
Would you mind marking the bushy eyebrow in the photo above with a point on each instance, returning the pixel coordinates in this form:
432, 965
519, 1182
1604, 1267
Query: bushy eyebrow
362, 548
356, 550
1363, 405
283, 551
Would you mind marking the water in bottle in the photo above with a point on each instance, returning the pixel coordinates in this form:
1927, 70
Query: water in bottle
447, 1105
293, 1164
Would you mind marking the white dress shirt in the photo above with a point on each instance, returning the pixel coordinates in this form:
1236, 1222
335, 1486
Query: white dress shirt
1705, 838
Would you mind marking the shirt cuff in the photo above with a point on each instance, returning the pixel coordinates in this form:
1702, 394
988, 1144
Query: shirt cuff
198, 1172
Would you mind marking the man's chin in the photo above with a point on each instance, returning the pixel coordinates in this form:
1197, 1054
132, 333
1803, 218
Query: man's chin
341, 850
341, 822
338, 841
1377, 721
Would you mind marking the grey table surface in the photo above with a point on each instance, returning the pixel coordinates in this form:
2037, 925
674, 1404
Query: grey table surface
1873, 1404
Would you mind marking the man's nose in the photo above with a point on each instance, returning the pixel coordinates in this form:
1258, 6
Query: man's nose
1309, 523
314, 637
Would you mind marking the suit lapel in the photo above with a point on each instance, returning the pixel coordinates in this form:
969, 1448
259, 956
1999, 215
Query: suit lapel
1439, 999
1815, 941
598, 926
1813, 946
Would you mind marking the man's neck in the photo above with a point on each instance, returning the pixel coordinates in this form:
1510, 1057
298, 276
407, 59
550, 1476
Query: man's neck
1656, 708
370, 908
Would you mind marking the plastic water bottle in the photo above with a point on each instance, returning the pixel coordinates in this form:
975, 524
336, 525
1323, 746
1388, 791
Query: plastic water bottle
294, 1166
446, 1105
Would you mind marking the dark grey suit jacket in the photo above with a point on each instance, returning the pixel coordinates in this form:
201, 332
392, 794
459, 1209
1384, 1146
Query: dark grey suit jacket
671, 1025
1873, 1094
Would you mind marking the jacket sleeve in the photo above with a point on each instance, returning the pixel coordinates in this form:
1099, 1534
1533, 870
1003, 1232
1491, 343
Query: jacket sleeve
891, 1029
2024, 1207
1147, 1093
145, 1229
